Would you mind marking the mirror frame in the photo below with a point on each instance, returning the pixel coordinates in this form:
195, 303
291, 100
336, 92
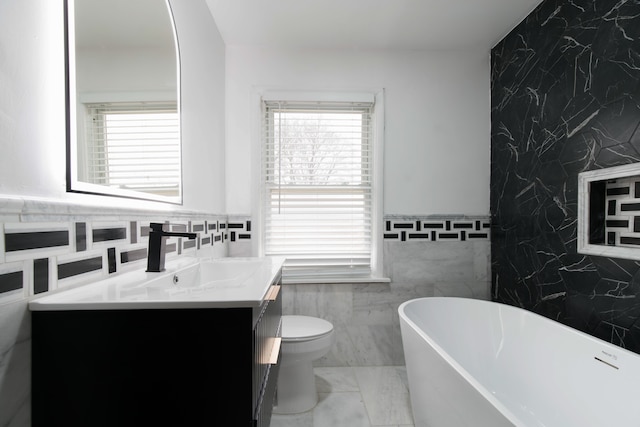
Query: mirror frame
73, 184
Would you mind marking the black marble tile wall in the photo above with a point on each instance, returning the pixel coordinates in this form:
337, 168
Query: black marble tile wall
565, 98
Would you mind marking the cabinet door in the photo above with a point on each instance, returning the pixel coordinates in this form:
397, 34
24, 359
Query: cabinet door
142, 367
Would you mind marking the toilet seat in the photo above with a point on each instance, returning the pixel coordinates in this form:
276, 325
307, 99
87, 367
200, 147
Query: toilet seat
304, 328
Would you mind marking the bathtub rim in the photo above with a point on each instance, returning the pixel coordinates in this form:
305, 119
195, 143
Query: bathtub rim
528, 313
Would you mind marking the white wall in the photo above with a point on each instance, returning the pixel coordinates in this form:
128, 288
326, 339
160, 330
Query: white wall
202, 57
121, 71
437, 142
32, 105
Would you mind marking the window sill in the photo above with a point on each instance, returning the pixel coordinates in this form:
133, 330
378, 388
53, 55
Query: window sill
335, 280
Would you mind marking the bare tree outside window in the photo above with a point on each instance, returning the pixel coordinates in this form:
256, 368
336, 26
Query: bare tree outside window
318, 148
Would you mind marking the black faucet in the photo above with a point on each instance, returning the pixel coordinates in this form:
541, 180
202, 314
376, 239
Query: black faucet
158, 246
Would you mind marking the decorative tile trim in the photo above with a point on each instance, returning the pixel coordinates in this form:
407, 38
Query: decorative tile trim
438, 228
27, 241
14, 242
108, 234
45, 245
75, 268
239, 228
40, 275
112, 265
435, 228
81, 236
10, 281
133, 255
13, 277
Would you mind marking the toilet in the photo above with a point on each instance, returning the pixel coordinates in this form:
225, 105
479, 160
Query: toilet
304, 339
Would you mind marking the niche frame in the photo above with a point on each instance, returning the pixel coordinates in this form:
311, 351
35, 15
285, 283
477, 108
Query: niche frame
587, 212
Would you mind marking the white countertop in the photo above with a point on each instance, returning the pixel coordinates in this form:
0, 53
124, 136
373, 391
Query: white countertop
142, 290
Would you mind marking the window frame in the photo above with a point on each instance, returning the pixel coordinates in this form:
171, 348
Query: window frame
375, 164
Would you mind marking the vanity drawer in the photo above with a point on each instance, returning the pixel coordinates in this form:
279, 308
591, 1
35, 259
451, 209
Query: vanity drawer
267, 333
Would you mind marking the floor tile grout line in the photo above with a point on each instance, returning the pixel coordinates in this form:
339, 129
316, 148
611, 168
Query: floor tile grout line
366, 407
352, 371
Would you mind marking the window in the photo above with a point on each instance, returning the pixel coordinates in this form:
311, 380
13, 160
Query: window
318, 188
133, 146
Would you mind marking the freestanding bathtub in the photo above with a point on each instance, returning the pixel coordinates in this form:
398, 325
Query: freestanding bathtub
485, 364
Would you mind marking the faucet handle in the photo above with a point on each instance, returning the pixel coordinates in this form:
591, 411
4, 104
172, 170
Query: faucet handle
157, 226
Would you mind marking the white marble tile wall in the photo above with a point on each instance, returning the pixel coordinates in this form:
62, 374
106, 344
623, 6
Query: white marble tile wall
441, 268
15, 365
365, 316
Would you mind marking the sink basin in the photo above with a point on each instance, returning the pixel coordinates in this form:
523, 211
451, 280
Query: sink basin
202, 277
229, 270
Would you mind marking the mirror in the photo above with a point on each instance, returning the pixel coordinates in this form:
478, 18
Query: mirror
123, 116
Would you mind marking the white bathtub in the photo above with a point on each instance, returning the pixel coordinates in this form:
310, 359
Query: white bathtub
479, 363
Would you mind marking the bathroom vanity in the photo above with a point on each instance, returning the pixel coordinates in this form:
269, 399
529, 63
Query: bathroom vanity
171, 350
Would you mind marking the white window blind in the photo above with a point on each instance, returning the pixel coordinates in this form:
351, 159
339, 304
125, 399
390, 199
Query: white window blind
317, 183
134, 146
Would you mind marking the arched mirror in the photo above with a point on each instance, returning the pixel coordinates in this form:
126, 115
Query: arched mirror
123, 107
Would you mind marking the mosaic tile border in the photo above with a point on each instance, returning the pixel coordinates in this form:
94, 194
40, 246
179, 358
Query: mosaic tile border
435, 228
438, 228
45, 246
87, 250
239, 228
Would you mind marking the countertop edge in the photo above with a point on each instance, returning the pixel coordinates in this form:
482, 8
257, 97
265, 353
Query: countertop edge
42, 305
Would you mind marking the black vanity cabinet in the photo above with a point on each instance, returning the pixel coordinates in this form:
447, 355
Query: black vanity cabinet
157, 367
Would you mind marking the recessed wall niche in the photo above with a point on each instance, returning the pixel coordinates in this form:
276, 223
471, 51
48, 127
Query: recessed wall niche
609, 212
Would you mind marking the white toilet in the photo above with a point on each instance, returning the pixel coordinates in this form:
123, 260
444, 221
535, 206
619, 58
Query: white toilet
304, 339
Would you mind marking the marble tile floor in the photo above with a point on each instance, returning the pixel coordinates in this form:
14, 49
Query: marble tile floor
356, 397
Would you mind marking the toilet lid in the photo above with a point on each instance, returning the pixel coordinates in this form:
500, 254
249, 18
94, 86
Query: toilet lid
304, 327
